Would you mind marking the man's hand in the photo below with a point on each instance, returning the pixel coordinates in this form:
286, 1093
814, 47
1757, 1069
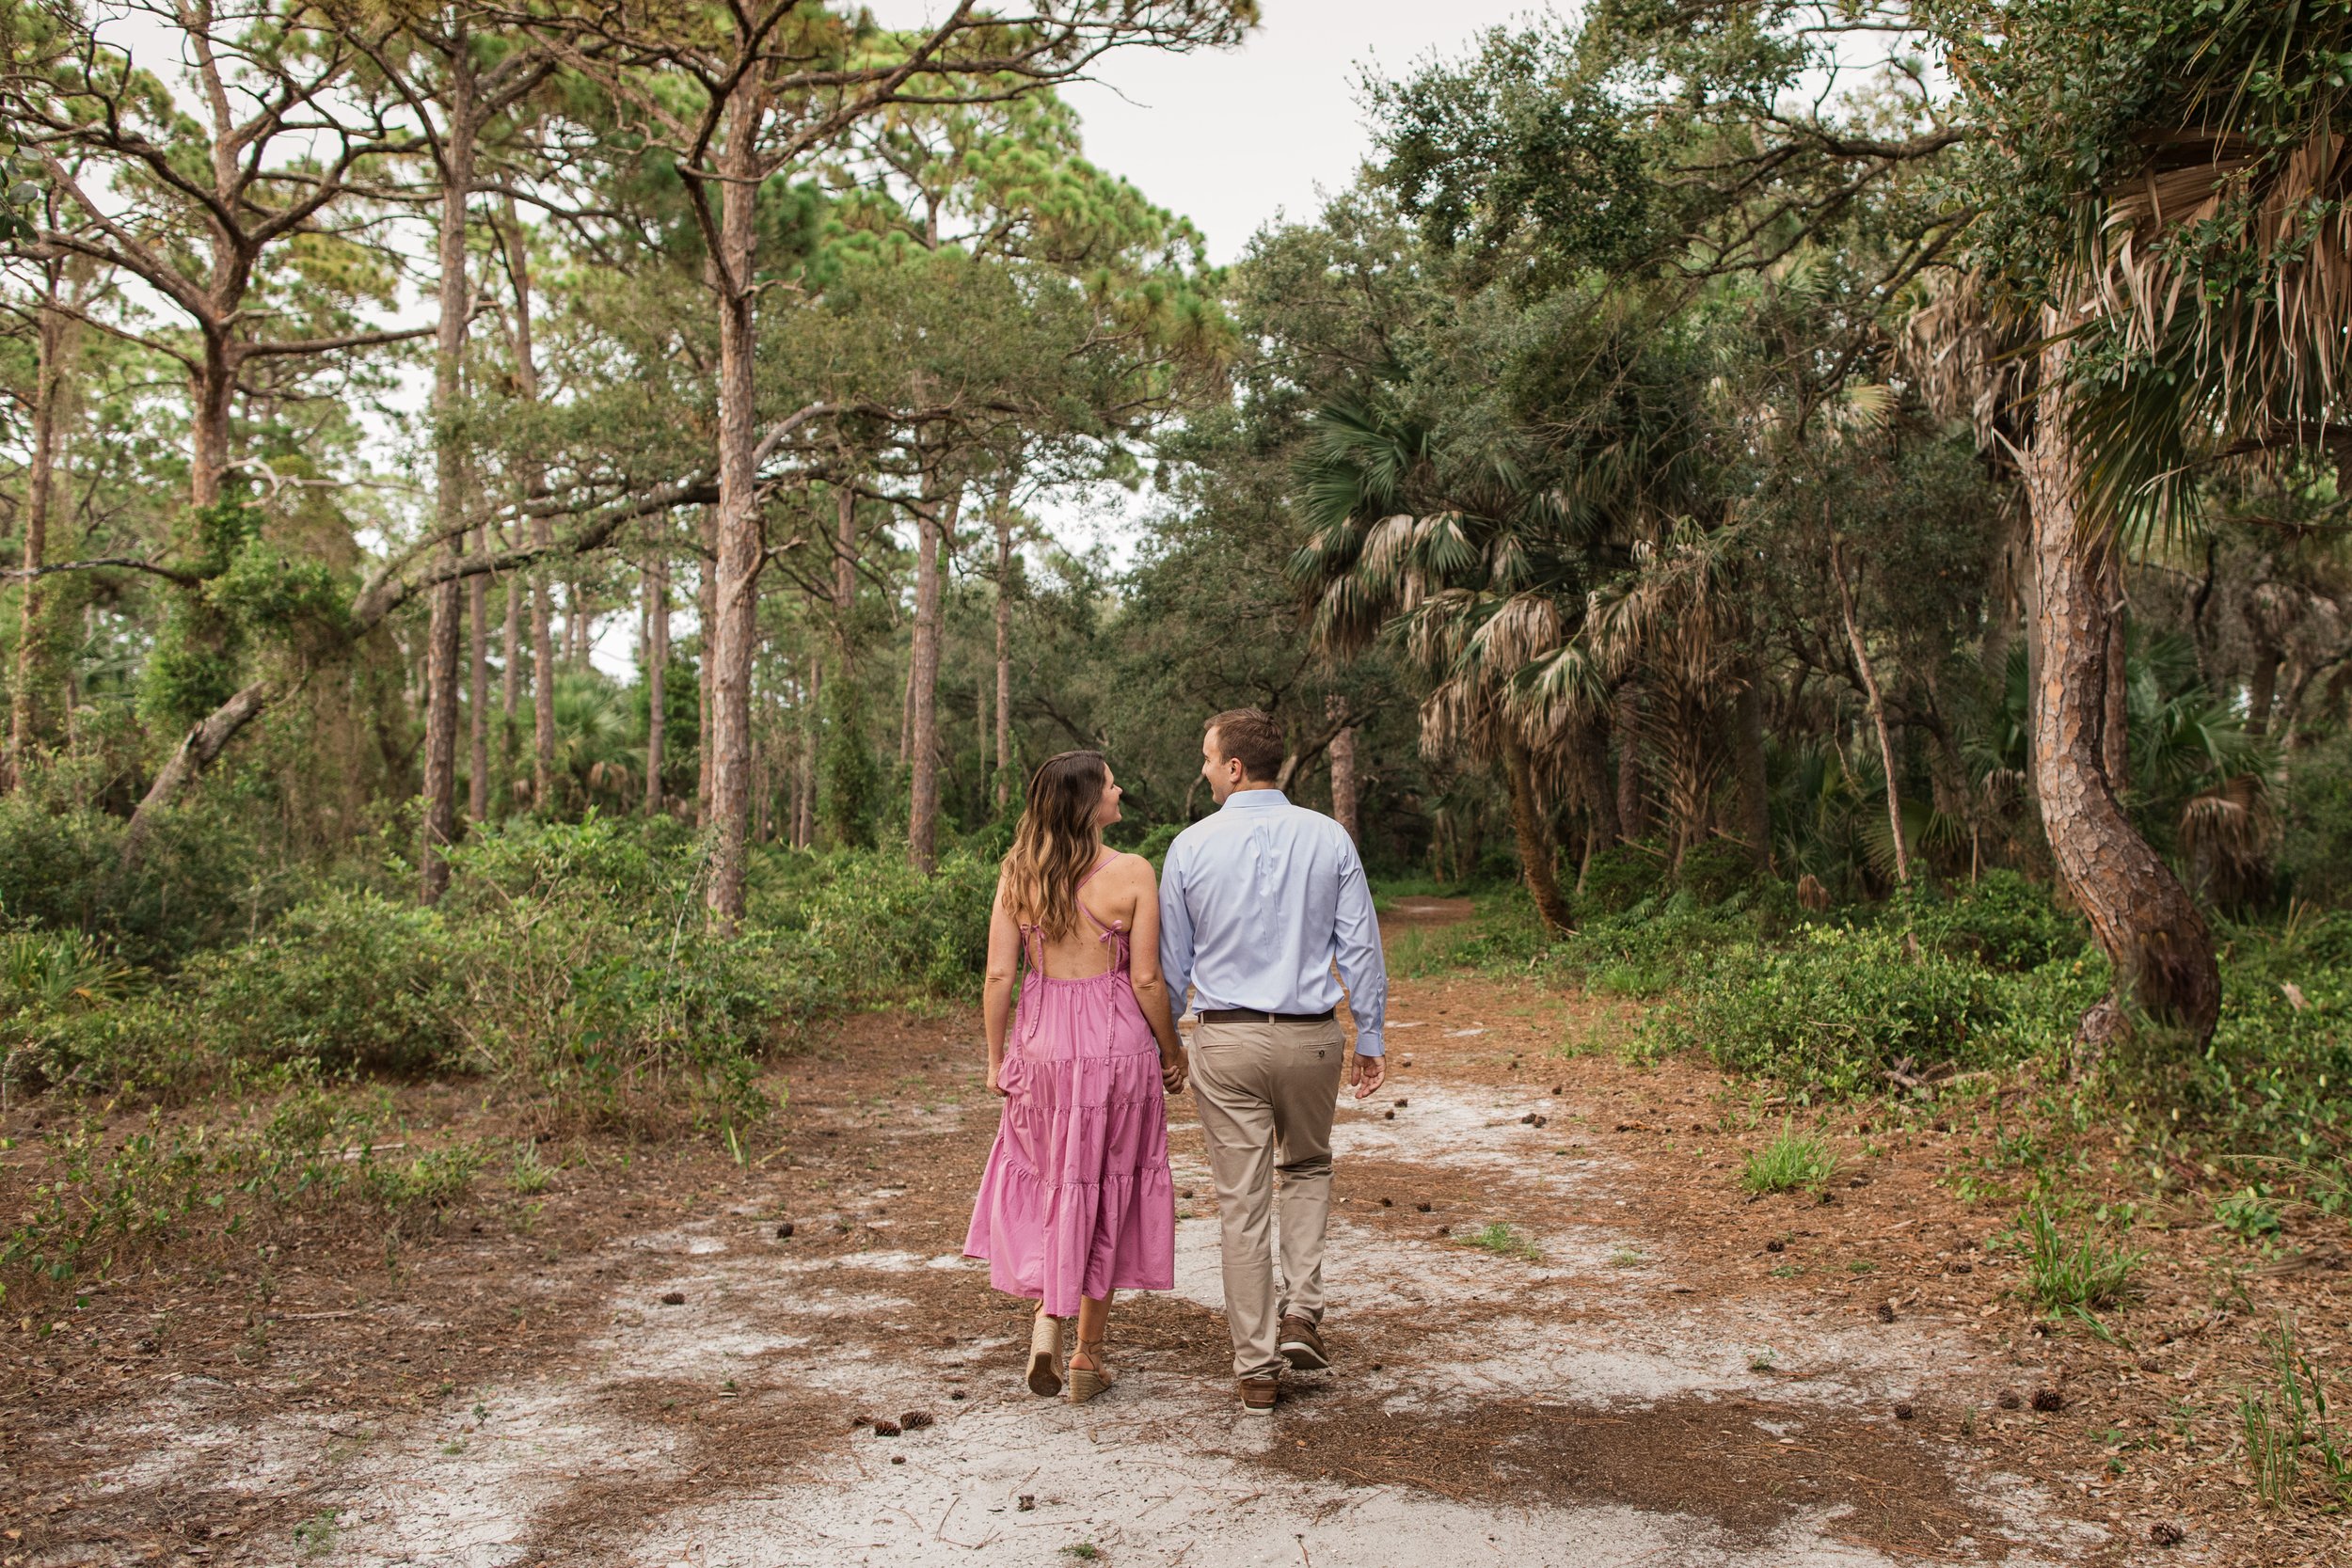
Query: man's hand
1367, 1073
1172, 1070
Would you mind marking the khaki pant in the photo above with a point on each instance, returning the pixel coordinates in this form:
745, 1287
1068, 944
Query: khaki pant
1267, 1093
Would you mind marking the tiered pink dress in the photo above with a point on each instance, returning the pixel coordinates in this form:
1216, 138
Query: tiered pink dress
1076, 1199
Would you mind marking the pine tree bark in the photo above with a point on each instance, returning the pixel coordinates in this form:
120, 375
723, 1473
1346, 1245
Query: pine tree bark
2143, 917
478, 691
935, 524
707, 617
657, 674
510, 688
542, 528
804, 818
736, 573
449, 350
39, 486
1344, 783
1532, 840
1004, 647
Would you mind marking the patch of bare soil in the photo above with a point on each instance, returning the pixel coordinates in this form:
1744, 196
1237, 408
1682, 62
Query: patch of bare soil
1563, 1336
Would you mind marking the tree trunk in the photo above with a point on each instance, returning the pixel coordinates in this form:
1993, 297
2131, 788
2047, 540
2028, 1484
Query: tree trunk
935, 522
657, 674
542, 528
1533, 841
1877, 707
1004, 647
1748, 761
39, 483
706, 618
804, 820
2262, 690
478, 693
2115, 734
449, 481
510, 688
212, 387
736, 573
2159, 944
197, 750
1344, 777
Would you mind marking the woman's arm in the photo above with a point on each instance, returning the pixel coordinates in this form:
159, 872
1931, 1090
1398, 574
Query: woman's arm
1004, 956
1143, 974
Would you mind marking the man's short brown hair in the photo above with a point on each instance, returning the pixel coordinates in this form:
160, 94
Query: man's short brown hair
1251, 737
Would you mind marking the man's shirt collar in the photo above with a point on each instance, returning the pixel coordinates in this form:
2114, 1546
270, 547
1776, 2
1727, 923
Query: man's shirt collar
1254, 800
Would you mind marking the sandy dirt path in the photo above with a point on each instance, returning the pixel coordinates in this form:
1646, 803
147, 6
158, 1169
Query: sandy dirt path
1562, 1337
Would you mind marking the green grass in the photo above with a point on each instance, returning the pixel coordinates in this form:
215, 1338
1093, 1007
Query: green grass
1085, 1551
2068, 1273
1790, 1161
1504, 1242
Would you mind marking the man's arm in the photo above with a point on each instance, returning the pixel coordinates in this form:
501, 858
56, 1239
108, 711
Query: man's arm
1175, 933
1362, 968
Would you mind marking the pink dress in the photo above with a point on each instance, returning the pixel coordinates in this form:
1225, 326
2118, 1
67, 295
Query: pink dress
1076, 1199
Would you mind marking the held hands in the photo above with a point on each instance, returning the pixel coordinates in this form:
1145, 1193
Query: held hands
1173, 1068
1367, 1073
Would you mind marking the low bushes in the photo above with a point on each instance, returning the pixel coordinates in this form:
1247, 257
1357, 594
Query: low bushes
1835, 1011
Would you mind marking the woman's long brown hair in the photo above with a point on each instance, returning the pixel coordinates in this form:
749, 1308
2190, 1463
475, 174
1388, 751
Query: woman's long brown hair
1057, 842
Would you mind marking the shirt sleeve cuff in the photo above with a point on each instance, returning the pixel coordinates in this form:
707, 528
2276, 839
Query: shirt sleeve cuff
1368, 1043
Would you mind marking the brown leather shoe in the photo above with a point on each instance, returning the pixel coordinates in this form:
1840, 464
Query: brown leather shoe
1302, 1345
1257, 1396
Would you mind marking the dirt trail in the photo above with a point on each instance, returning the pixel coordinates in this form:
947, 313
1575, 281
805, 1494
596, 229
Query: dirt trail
1640, 1367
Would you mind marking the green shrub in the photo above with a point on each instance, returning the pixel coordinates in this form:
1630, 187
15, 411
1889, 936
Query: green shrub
201, 878
1621, 876
877, 927
2003, 921
1653, 945
1790, 1160
1831, 1014
1714, 870
350, 981
2316, 824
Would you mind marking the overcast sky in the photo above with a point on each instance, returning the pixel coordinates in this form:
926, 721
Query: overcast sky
1235, 139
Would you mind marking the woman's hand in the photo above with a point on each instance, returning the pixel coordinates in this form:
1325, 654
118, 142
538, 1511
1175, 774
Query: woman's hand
995, 1081
1172, 1070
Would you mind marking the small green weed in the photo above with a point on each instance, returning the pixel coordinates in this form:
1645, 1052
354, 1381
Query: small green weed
2287, 1421
2082, 1276
2249, 1212
315, 1536
530, 1174
1085, 1551
1792, 1161
1504, 1242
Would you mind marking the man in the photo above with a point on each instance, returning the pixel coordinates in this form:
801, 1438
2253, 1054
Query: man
1257, 902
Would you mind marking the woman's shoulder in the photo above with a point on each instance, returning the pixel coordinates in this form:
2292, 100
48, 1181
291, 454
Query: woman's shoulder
1127, 867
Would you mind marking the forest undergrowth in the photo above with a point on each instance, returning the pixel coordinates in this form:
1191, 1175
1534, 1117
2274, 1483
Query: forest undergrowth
569, 981
1954, 1009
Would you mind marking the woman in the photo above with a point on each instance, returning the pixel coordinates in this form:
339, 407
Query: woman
1076, 1200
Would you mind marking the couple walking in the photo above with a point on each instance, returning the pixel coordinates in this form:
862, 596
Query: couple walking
1259, 900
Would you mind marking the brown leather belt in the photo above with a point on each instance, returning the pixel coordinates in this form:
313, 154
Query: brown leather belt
1248, 1015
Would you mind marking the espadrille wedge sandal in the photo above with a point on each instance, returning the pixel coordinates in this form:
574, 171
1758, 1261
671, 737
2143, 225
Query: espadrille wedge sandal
1045, 1357
1087, 1382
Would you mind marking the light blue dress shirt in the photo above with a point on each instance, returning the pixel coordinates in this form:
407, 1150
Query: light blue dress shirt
1257, 901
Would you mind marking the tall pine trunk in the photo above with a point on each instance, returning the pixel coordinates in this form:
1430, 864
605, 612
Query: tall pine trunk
657, 674
32, 678
2153, 933
1004, 648
449, 350
736, 568
510, 688
707, 619
477, 687
542, 526
935, 522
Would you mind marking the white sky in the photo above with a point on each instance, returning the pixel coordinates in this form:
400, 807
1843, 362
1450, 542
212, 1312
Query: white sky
1235, 139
